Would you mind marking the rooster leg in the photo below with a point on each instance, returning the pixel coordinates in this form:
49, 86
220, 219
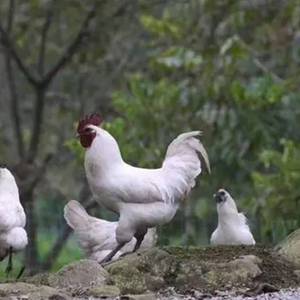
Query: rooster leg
9, 264
139, 239
21, 272
110, 255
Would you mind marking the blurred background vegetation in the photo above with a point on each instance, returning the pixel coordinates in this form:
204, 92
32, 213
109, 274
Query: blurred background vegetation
153, 69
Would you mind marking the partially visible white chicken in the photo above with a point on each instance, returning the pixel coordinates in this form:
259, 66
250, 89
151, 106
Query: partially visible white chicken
143, 198
97, 237
232, 226
13, 237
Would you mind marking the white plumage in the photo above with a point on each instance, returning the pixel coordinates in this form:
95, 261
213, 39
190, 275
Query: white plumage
97, 237
143, 198
232, 226
12, 216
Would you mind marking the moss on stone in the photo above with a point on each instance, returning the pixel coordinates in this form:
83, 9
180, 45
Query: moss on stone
104, 291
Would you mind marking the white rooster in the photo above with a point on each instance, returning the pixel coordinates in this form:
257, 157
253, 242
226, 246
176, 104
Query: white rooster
97, 237
232, 226
13, 237
143, 198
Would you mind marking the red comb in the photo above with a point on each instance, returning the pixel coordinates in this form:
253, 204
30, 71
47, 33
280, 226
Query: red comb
92, 119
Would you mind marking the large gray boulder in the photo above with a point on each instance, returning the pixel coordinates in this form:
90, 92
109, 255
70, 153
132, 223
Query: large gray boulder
81, 274
81, 278
145, 271
290, 247
205, 269
217, 274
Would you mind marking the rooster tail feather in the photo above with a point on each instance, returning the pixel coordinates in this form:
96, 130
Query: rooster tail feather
75, 214
204, 155
188, 144
183, 162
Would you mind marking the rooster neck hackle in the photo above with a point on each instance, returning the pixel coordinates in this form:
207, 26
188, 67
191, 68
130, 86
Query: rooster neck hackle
103, 154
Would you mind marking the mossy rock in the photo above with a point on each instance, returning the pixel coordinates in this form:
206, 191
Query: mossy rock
82, 274
148, 296
144, 271
38, 279
290, 247
104, 291
21, 290
203, 268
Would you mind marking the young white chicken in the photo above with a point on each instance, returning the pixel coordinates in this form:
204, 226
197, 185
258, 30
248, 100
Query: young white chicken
143, 198
97, 237
232, 226
13, 237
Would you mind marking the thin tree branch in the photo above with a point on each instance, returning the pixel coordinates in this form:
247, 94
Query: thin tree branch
31, 251
57, 247
11, 14
44, 33
122, 9
42, 85
39, 175
71, 49
14, 100
40, 90
28, 183
10, 47
37, 122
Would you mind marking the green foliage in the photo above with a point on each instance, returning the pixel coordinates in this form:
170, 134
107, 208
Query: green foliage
178, 57
161, 27
259, 93
155, 107
74, 146
278, 190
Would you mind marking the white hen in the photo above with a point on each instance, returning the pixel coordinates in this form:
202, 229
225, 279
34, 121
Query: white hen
97, 237
232, 226
143, 198
13, 237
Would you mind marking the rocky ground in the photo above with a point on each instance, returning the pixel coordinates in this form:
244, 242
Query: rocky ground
231, 272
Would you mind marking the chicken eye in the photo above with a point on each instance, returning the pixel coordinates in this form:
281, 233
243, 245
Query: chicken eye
222, 193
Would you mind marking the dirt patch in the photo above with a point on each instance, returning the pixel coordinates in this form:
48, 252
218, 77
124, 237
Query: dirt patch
276, 270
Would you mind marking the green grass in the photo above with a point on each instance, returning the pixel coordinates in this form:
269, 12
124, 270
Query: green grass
71, 251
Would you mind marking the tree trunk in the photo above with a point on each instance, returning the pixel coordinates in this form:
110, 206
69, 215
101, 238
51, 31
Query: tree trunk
31, 252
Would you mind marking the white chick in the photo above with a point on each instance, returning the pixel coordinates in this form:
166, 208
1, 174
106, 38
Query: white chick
13, 237
232, 226
97, 237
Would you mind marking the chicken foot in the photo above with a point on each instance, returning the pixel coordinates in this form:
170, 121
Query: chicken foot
9, 263
110, 255
21, 272
139, 239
